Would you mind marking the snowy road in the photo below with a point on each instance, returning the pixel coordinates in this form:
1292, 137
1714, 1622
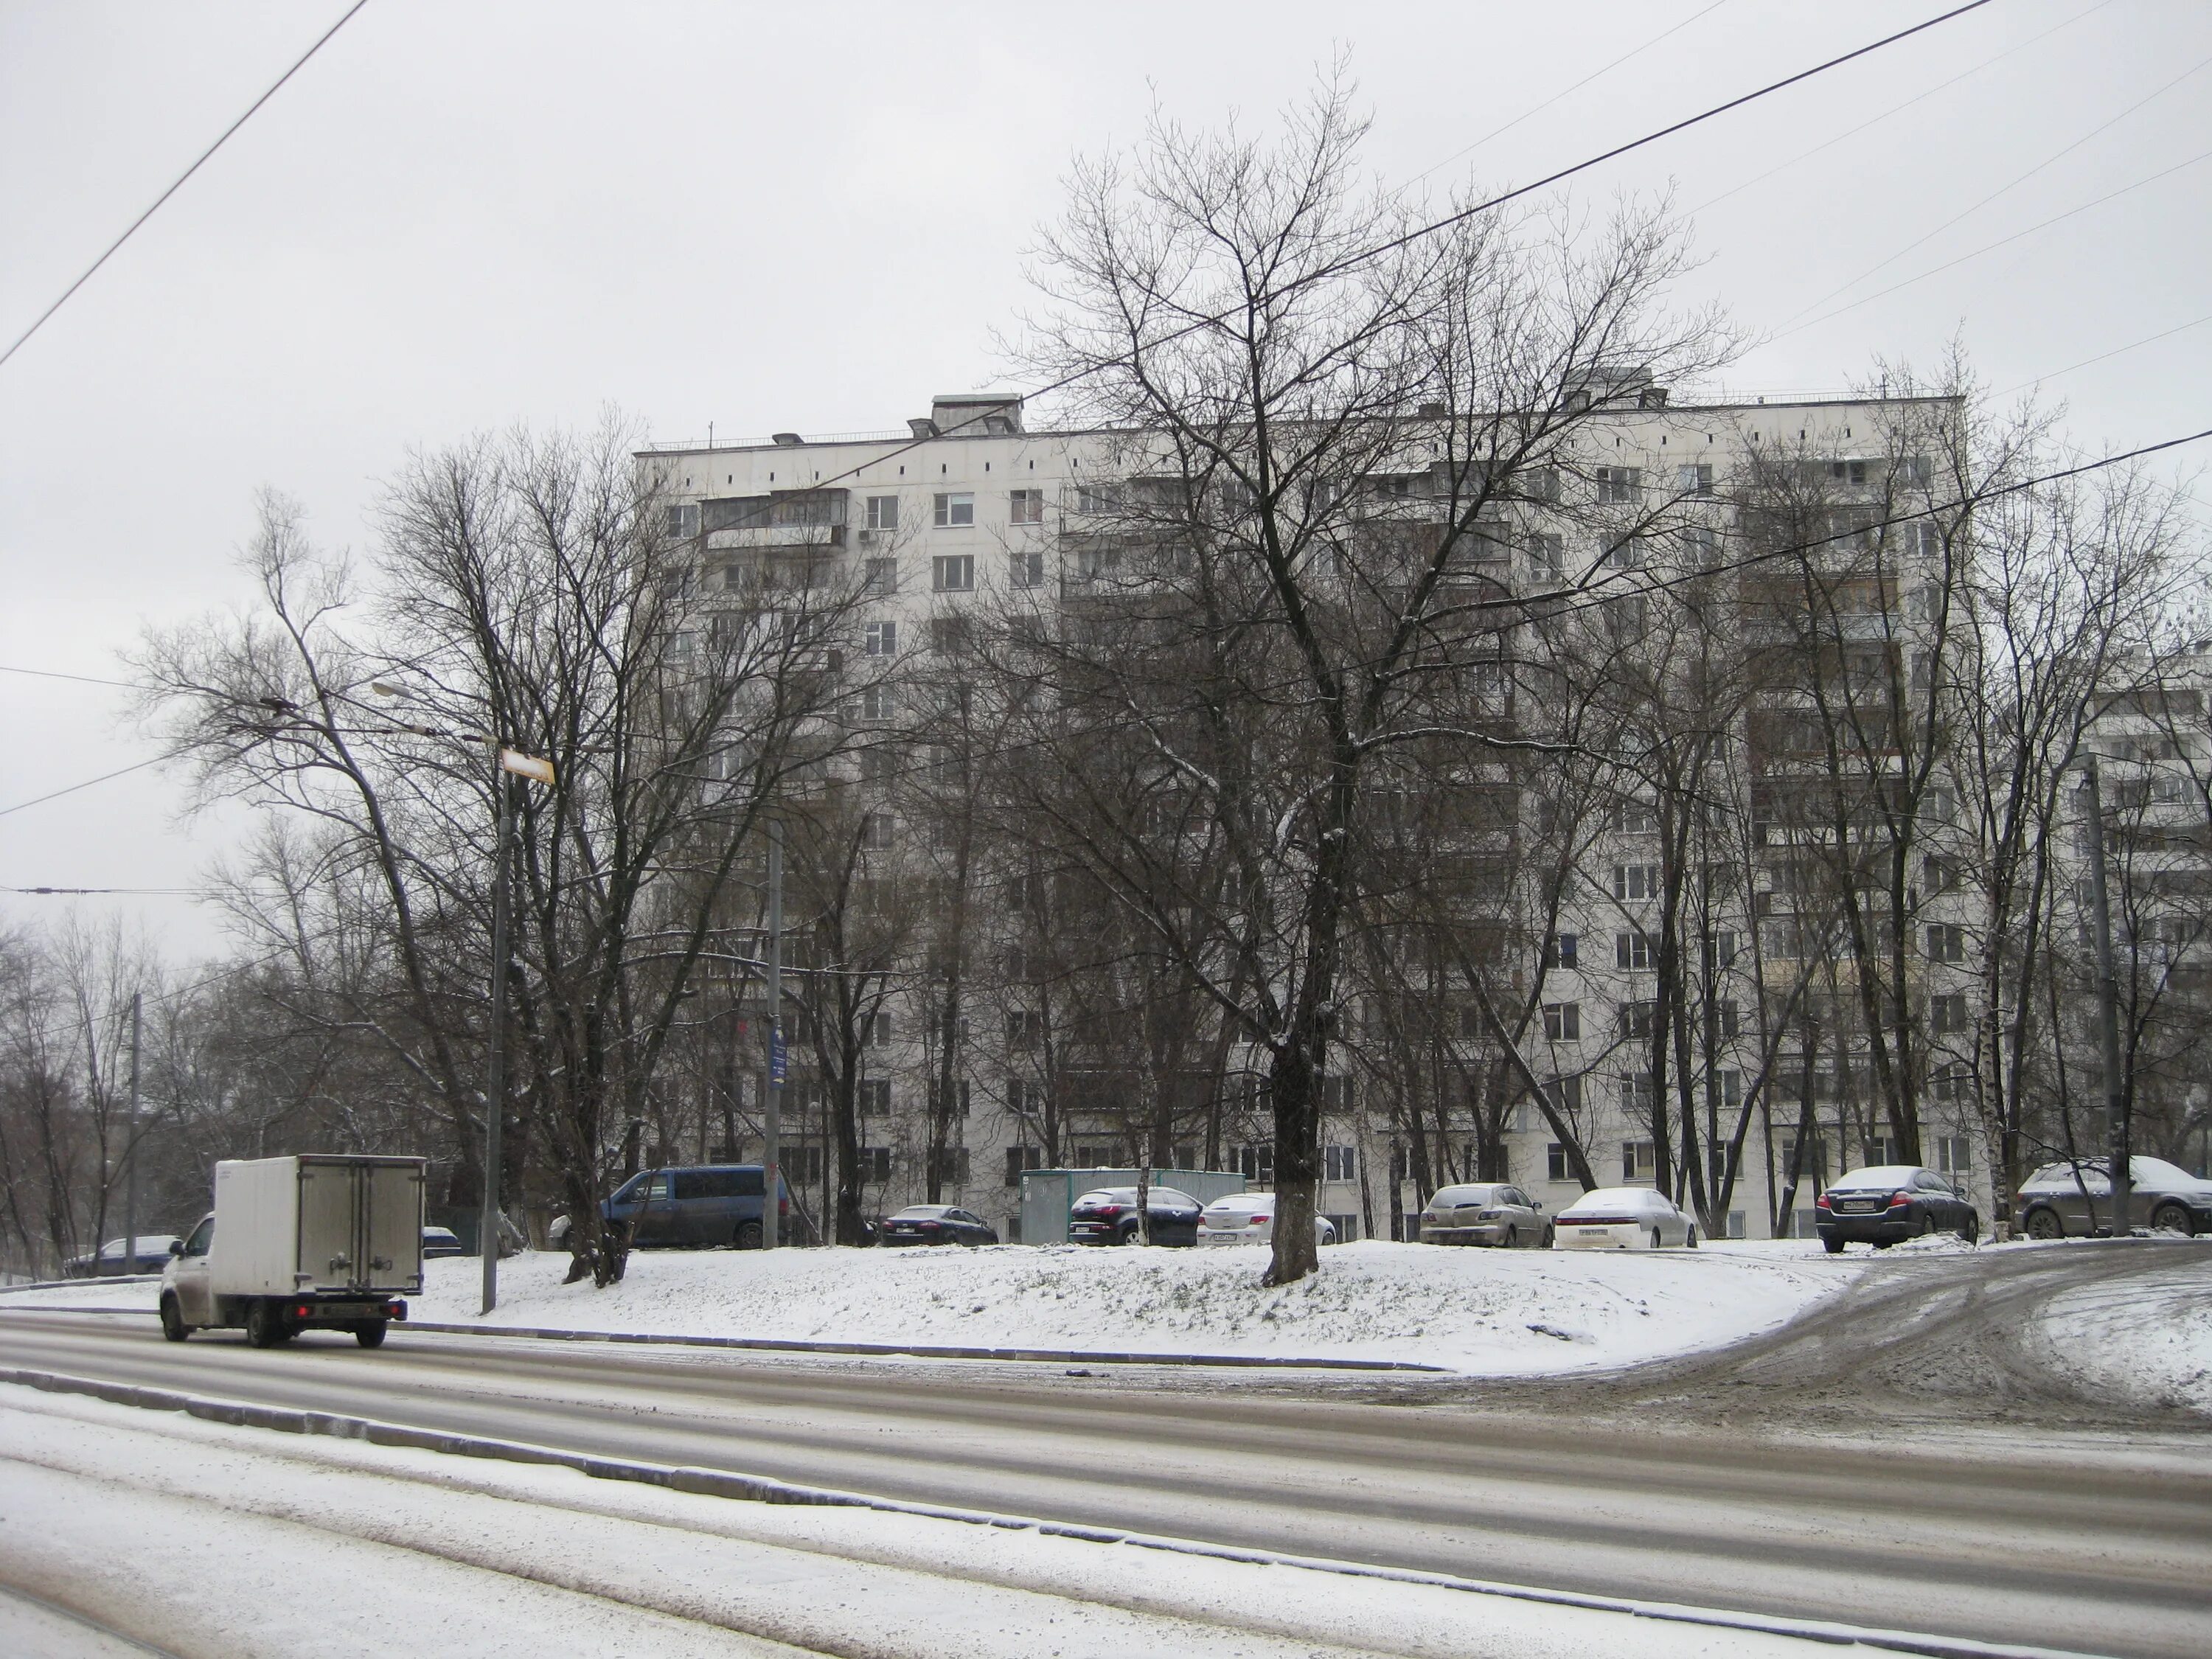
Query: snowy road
2099, 1542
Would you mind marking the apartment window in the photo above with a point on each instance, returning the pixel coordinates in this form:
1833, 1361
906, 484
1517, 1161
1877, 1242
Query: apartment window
875, 1030
877, 766
1946, 942
1624, 554
950, 1165
1693, 480
1560, 950
1565, 1094
1617, 485
883, 513
1635, 818
1636, 1021
683, 519
882, 638
1701, 548
1729, 1017
876, 702
876, 831
1025, 507
955, 512
1953, 1082
1637, 1095
1725, 945
1951, 1153
1625, 615
1340, 1163
1638, 1161
875, 1097
874, 1163
947, 634
1947, 1015
1635, 881
1021, 1159
1547, 557
1556, 1166
960, 1097
1631, 951
1563, 1021
1023, 1027
1256, 1163
883, 578
952, 572
1026, 569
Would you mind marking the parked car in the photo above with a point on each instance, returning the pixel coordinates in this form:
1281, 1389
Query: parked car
440, 1241
1250, 1218
935, 1223
2049, 1203
1108, 1216
1622, 1218
1485, 1212
150, 1257
1887, 1202
695, 1207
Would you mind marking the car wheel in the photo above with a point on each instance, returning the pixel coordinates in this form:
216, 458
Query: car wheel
1927, 1224
1656, 1244
1970, 1229
1832, 1246
1551, 1239
369, 1333
1883, 1243
749, 1235
1512, 1238
264, 1325
2045, 1224
2172, 1219
174, 1327
1690, 1239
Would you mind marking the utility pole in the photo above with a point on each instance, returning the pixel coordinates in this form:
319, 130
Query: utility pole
772, 1118
507, 762
2108, 1005
495, 1080
130, 1152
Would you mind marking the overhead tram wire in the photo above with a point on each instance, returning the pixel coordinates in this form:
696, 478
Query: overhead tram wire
2116, 351
1966, 213
1566, 92
1988, 248
40, 801
1894, 109
1351, 261
178, 184
56, 674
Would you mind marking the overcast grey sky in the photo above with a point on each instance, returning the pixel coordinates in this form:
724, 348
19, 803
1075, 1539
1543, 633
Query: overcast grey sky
460, 215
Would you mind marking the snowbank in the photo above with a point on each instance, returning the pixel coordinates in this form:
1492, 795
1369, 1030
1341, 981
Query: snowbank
2153, 1343
1492, 1313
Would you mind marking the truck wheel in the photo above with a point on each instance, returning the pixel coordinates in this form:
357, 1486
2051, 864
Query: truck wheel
369, 1333
749, 1235
174, 1327
264, 1325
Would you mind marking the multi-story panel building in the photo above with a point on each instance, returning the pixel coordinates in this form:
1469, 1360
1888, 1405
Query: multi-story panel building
1717, 929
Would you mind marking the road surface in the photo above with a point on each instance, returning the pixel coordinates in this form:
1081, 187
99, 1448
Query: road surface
1933, 1477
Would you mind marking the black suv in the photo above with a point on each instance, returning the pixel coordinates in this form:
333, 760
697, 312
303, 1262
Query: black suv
1108, 1216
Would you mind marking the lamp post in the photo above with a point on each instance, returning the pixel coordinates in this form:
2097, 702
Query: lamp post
512, 766
772, 1117
2108, 1003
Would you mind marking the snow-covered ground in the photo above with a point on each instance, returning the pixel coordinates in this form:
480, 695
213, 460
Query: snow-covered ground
1492, 1313
246, 1542
2149, 1339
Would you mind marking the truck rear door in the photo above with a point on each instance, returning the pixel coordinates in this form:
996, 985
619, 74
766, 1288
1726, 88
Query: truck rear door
392, 1223
328, 1243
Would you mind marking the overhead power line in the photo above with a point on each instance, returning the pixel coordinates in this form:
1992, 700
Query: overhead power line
1352, 260
56, 674
40, 801
178, 184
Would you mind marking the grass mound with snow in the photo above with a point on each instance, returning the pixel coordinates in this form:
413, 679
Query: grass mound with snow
1489, 1312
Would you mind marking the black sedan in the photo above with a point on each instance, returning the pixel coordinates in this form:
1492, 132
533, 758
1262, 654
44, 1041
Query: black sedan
935, 1223
1108, 1216
1889, 1202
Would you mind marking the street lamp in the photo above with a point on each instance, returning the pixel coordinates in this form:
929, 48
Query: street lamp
2108, 1001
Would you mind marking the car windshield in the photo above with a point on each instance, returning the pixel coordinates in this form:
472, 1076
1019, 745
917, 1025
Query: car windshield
1887, 1176
1128, 1195
923, 1212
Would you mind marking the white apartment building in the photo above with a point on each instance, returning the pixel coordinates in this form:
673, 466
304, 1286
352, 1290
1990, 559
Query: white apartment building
968, 503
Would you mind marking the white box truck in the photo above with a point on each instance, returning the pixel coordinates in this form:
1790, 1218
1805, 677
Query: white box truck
324, 1240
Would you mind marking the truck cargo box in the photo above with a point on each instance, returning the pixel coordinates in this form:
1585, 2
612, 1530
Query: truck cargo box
323, 1222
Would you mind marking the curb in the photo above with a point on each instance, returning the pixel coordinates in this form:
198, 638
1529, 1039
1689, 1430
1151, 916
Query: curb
885, 1350
760, 1489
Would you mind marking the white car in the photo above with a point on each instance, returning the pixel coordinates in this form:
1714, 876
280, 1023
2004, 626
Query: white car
1250, 1218
1622, 1218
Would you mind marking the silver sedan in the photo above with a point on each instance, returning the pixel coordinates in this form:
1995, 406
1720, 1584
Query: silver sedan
1485, 1212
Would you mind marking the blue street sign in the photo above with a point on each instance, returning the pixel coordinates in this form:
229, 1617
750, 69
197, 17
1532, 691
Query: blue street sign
775, 1062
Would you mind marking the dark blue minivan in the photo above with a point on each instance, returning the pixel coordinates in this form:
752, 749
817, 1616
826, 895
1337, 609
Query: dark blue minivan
697, 1207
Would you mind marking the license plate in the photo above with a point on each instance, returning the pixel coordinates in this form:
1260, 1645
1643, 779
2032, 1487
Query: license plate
1859, 1206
